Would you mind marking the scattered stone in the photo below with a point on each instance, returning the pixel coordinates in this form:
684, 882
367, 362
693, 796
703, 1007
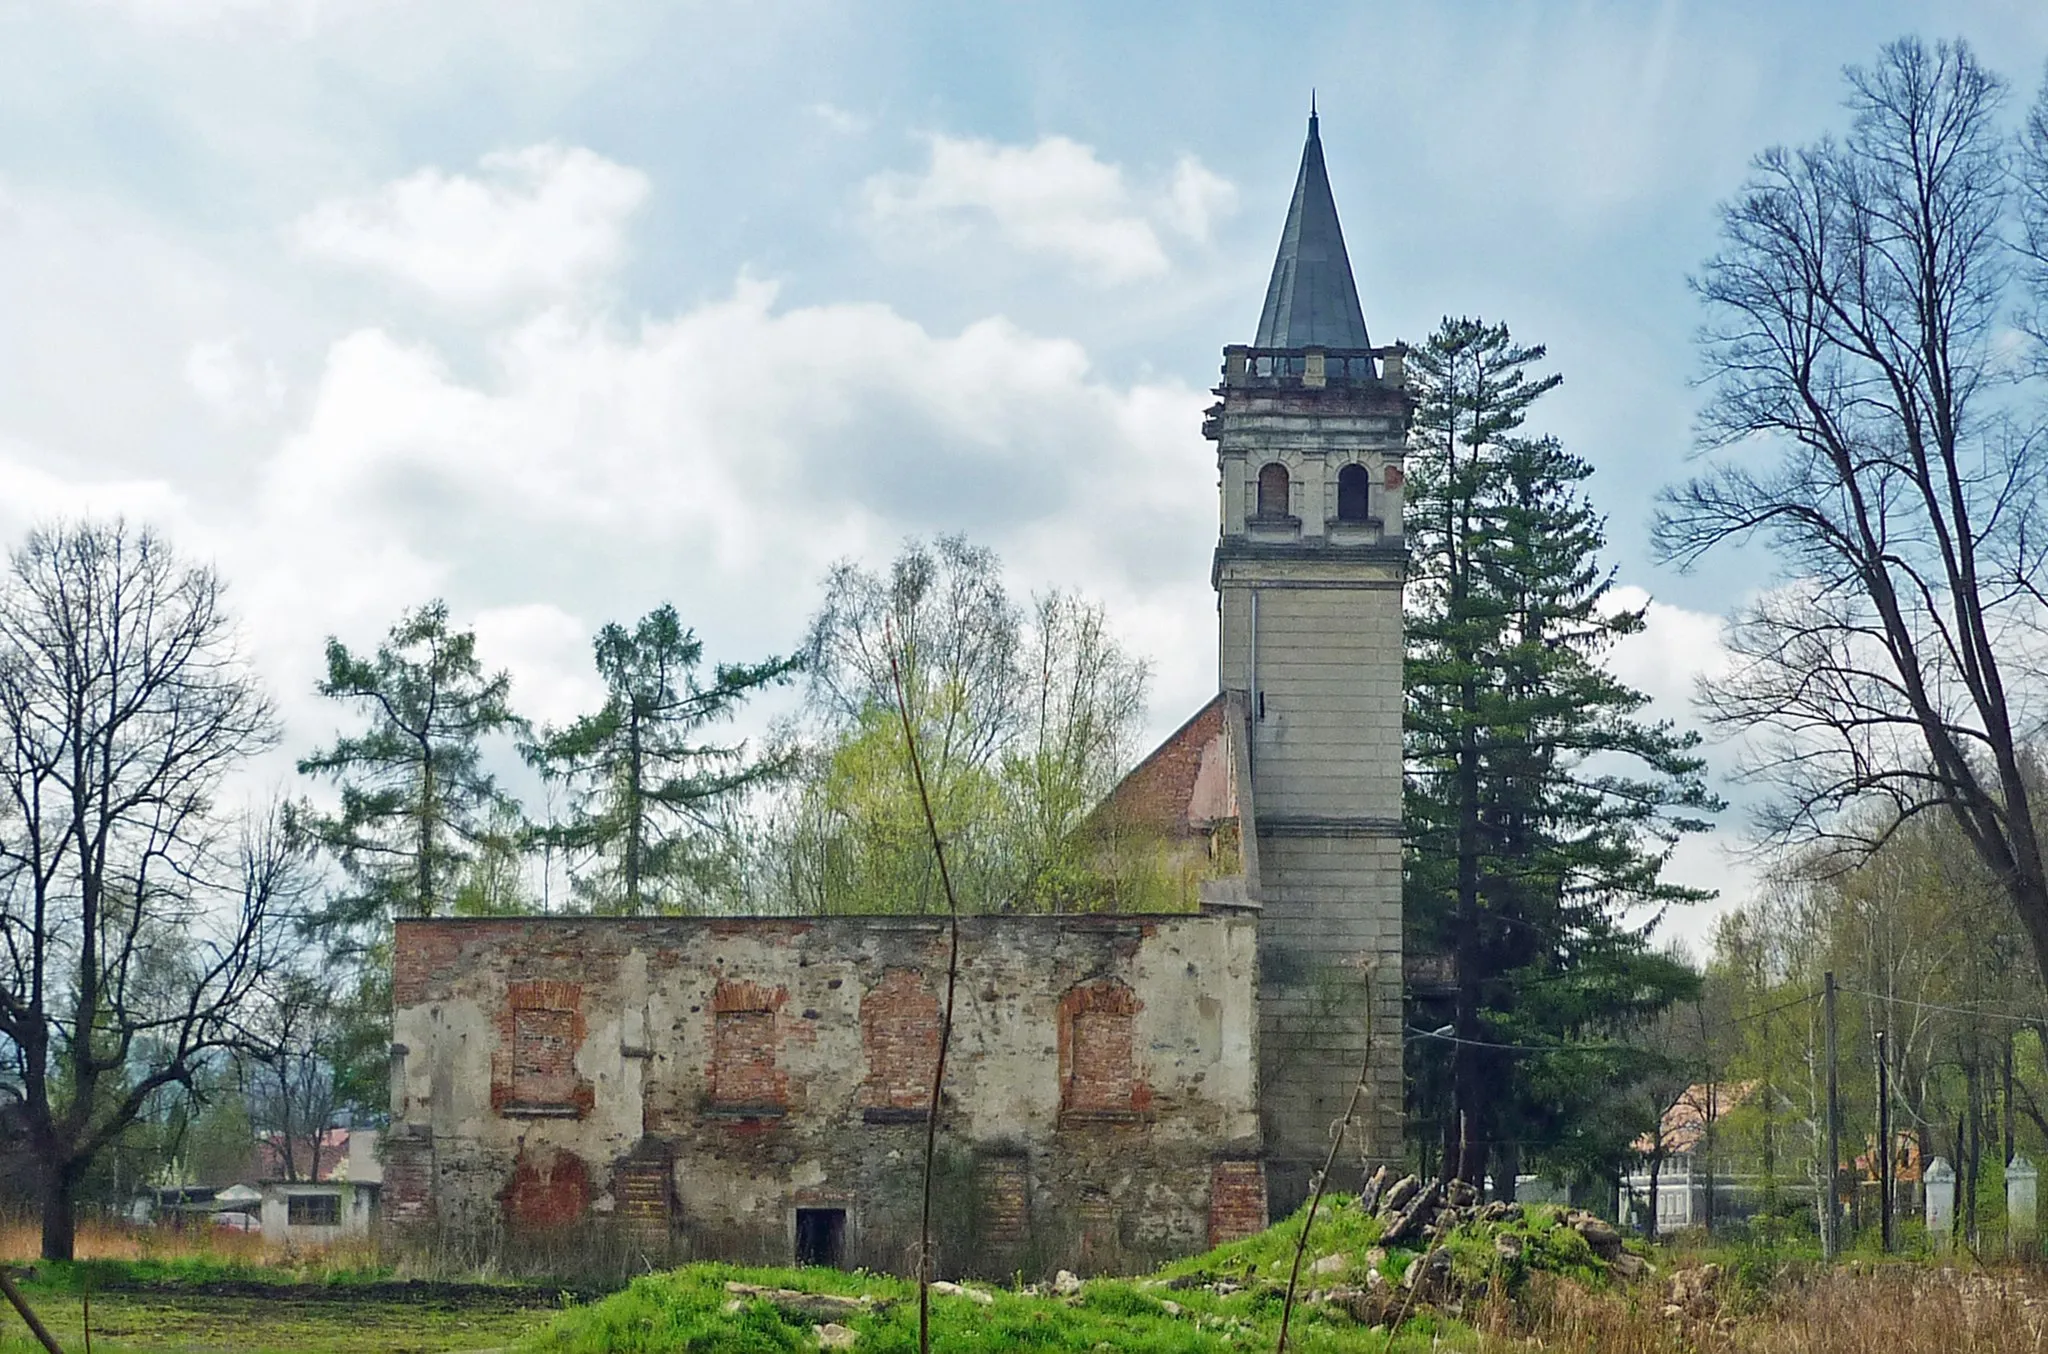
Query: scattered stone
1334, 1263
954, 1290
1172, 1308
1599, 1234
1066, 1283
825, 1307
1508, 1246
1691, 1292
1629, 1265
1369, 1197
832, 1335
1412, 1218
1430, 1275
1187, 1281
1398, 1194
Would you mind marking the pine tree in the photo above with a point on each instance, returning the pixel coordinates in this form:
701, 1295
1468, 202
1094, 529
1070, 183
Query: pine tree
1541, 805
416, 804
646, 800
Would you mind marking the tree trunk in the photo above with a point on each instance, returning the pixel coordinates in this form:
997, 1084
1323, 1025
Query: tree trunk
60, 1220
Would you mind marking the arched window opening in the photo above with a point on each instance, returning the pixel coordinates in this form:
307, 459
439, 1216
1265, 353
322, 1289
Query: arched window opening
1353, 493
1273, 490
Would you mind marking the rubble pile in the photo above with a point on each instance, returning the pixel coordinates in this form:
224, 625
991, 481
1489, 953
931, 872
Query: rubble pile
1440, 1246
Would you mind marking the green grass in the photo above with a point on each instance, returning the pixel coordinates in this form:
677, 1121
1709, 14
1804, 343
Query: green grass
685, 1309
161, 1307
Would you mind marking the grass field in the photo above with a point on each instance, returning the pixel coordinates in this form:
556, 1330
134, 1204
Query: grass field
167, 1293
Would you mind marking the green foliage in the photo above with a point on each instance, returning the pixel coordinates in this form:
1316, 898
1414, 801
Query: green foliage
1024, 720
648, 827
1541, 804
416, 804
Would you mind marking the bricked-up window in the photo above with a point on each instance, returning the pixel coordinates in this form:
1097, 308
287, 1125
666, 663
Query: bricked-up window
746, 1072
1098, 1076
899, 1034
1354, 491
543, 1058
1273, 490
533, 1070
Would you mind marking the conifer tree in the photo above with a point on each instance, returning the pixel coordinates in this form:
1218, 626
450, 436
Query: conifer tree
1541, 804
646, 798
416, 804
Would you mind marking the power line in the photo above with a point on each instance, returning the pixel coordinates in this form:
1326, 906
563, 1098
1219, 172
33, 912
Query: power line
1978, 1012
1444, 1036
1799, 1000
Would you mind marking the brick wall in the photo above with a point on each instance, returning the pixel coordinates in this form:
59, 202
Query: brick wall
1237, 1200
746, 1071
406, 1199
548, 1189
1097, 1073
899, 1035
742, 1069
1156, 794
540, 1030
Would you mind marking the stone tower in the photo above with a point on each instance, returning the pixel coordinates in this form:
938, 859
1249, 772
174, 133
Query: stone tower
1309, 435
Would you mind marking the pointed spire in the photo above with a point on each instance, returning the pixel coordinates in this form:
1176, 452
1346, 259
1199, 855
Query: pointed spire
1312, 301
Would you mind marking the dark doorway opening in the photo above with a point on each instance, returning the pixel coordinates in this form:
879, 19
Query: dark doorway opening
821, 1237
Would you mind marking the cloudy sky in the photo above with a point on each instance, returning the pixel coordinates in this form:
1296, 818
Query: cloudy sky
560, 310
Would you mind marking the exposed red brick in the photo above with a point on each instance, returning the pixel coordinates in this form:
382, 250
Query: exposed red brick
1005, 1184
407, 1195
1097, 1071
1394, 477
1155, 796
899, 1035
548, 1189
642, 1187
1237, 1200
540, 1030
746, 1067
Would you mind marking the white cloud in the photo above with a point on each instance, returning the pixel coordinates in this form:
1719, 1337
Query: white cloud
1667, 657
540, 223
230, 384
1054, 198
1198, 197
840, 120
721, 459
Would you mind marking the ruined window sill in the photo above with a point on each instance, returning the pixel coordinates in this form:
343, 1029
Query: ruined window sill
1080, 1117
536, 1111
884, 1114
745, 1112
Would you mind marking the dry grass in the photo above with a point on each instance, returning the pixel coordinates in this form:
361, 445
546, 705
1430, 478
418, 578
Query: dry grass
1889, 1309
97, 1239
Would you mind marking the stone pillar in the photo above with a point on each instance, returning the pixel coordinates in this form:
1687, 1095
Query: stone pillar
2022, 1230
1941, 1202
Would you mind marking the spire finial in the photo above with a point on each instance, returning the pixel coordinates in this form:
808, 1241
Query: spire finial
1311, 103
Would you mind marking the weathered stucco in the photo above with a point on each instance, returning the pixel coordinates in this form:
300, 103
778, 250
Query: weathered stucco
688, 1085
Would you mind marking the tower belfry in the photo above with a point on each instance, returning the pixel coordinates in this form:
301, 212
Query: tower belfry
1310, 432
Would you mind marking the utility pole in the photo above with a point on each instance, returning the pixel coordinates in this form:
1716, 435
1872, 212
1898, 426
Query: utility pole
1831, 1209
2005, 1104
1884, 1147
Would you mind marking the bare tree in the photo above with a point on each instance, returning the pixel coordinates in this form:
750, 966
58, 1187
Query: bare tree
1875, 444
286, 1065
129, 940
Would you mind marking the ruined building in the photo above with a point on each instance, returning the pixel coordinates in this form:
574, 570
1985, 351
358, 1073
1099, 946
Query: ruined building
1119, 1088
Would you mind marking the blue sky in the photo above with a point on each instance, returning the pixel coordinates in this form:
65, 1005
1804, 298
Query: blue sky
561, 310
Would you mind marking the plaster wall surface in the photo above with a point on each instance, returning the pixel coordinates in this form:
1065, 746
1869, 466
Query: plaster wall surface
721, 1074
1310, 645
